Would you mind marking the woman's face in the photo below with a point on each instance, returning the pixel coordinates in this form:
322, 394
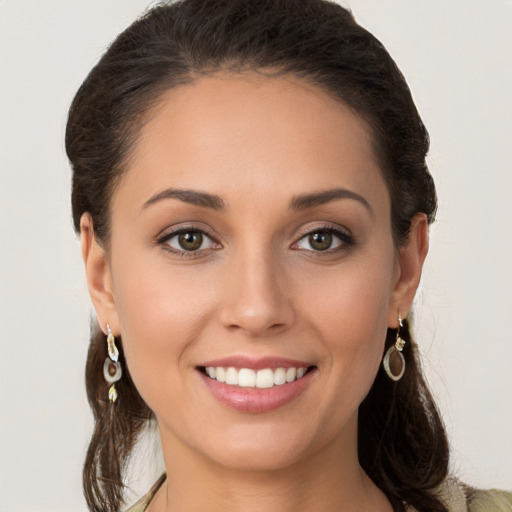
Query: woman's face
251, 238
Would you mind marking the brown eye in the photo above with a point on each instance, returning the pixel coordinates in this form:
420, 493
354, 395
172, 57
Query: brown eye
190, 241
320, 240
326, 240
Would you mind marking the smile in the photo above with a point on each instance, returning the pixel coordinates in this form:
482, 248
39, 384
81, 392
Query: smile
256, 385
249, 378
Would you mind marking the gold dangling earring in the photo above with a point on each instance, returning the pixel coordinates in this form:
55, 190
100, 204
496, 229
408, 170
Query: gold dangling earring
112, 371
394, 361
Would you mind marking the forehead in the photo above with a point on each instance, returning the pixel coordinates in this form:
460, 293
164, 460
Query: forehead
250, 134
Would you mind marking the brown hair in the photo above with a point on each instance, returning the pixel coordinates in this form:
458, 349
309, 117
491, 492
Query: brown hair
402, 442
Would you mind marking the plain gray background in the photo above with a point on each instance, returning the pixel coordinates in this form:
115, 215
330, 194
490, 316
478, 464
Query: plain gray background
456, 55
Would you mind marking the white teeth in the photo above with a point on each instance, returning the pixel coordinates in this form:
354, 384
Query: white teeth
279, 376
264, 378
248, 378
291, 373
220, 374
232, 376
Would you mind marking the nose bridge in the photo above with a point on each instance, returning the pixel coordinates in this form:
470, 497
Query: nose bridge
256, 300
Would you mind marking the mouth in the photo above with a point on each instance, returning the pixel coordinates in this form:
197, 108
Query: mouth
256, 385
263, 378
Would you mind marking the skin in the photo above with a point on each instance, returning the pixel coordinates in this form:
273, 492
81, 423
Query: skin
256, 287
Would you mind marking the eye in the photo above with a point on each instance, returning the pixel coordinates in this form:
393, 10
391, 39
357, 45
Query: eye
324, 239
187, 240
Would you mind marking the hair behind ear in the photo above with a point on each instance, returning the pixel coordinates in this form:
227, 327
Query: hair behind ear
400, 428
117, 426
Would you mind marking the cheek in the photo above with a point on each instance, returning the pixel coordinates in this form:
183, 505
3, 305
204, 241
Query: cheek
161, 310
350, 313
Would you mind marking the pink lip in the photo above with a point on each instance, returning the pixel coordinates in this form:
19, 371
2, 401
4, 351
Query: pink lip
257, 363
254, 400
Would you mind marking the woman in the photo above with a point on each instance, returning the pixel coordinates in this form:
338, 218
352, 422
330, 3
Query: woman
251, 190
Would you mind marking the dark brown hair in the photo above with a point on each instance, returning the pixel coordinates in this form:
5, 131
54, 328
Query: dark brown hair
402, 442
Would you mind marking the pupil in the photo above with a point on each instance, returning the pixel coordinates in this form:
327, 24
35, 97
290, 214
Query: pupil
191, 241
320, 240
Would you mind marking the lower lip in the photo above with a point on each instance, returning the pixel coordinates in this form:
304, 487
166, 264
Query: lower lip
255, 399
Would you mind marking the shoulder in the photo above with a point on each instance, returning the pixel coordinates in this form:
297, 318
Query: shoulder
493, 500
142, 504
458, 497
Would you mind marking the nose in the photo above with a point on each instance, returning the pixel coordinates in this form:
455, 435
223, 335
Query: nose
257, 298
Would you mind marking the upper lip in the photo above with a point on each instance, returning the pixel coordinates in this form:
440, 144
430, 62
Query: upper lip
256, 363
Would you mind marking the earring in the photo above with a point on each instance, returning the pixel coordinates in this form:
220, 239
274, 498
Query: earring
394, 361
112, 371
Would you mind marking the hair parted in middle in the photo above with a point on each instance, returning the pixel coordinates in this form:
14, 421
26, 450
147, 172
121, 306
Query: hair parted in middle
402, 442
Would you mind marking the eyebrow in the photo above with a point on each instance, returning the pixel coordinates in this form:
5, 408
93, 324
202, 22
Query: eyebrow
214, 202
194, 197
304, 201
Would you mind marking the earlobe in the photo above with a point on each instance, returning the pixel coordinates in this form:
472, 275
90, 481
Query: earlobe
410, 264
98, 275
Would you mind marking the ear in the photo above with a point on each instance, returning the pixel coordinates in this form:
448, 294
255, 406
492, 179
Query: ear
409, 265
98, 274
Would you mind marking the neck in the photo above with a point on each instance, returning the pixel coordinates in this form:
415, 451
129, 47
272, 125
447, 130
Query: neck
330, 480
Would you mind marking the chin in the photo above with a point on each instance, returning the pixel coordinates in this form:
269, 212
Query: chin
265, 448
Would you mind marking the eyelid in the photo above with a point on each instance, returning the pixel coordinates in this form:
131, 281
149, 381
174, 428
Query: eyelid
169, 234
343, 234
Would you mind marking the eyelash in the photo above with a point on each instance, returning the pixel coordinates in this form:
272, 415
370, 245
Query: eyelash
345, 238
166, 237
346, 241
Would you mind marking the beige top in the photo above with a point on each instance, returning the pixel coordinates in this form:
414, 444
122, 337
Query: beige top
454, 495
